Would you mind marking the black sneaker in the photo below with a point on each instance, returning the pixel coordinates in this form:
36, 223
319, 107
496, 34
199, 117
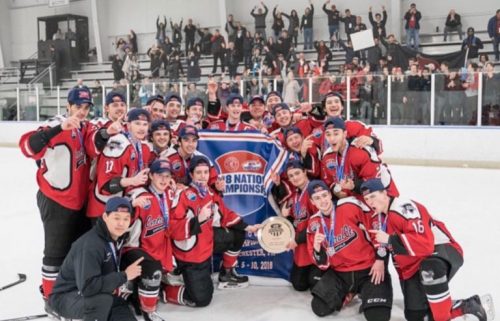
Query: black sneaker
229, 279
472, 306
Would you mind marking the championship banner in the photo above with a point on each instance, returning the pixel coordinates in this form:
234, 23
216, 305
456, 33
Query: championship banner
247, 160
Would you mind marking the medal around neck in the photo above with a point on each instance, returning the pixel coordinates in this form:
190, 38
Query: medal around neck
275, 234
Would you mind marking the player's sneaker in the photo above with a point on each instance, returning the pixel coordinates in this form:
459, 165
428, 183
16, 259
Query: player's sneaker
230, 279
471, 307
152, 316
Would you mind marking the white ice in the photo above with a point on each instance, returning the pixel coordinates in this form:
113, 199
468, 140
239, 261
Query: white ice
467, 200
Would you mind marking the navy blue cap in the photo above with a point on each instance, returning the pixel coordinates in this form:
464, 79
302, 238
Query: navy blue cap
291, 131
113, 94
160, 166
316, 186
138, 114
172, 97
255, 98
159, 125
188, 130
79, 96
232, 97
196, 161
278, 107
296, 163
334, 122
372, 185
273, 93
155, 98
195, 101
118, 204
335, 94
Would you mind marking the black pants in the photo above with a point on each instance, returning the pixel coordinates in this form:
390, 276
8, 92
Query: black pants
227, 240
100, 307
199, 288
189, 44
62, 226
218, 56
304, 277
330, 291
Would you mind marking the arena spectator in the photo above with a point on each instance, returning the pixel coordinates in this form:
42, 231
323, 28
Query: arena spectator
349, 21
453, 23
278, 23
472, 43
333, 22
132, 41
176, 33
306, 25
378, 25
190, 31
260, 19
218, 45
161, 33
412, 26
494, 33
293, 25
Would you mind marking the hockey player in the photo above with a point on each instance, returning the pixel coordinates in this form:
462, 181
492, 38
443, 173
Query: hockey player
180, 157
91, 280
155, 105
159, 135
194, 113
285, 119
233, 122
173, 103
425, 255
150, 236
344, 167
62, 148
338, 242
201, 225
123, 163
298, 209
115, 109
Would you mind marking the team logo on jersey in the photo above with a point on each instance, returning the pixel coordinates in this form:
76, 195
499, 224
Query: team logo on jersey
153, 225
314, 227
191, 196
243, 171
346, 236
317, 132
330, 164
176, 166
300, 216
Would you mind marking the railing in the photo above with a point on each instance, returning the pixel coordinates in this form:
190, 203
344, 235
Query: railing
469, 99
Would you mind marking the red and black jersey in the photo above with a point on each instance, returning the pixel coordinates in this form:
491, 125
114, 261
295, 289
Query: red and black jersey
175, 127
150, 230
348, 247
120, 158
360, 164
180, 166
63, 162
226, 127
414, 235
193, 241
301, 209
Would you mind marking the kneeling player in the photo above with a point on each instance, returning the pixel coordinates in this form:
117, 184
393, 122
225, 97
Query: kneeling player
339, 244
199, 216
425, 254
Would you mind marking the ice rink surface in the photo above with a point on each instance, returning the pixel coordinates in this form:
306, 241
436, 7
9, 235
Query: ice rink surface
467, 200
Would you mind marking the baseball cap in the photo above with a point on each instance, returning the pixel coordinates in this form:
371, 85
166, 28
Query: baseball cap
155, 98
273, 93
188, 130
79, 96
113, 94
296, 163
198, 160
278, 107
255, 98
118, 204
232, 97
316, 186
334, 94
372, 185
138, 114
334, 122
172, 97
195, 101
291, 131
160, 166
159, 124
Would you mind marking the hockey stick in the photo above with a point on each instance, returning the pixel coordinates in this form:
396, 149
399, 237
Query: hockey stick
22, 278
28, 317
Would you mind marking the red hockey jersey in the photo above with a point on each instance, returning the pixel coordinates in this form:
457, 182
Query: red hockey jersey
180, 166
192, 244
63, 164
350, 247
418, 233
150, 230
225, 126
118, 159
